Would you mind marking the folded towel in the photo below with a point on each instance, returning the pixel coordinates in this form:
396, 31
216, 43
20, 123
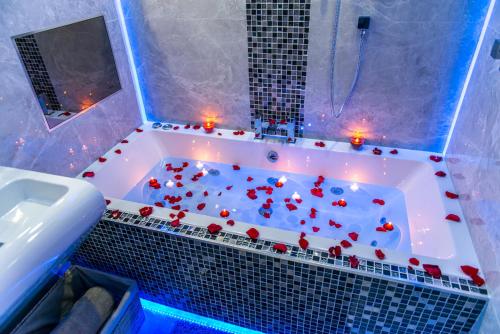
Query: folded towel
88, 313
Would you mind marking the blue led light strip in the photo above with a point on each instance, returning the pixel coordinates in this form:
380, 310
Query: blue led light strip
131, 62
469, 74
194, 318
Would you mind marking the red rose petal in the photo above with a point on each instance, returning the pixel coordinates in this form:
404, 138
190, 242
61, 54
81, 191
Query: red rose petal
303, 243
315, 229
378, 201
176, 207
394, 151
318, 192
353, 236
178, 177
377, 151
353, 260
469, 270
280, 248
380, 229
414, 261
380, 254
345, 244
253, 233
451, 195
230, 222
478, 280
453, 217
187, 126
196, 126
302, 222
175, 223
102, 159
159, 204
229, 187
214, 228
331, 222
249, 179
124, 141
116, 214
146, 211
236, 167
440, 173
88, 174
189, 194
176, 127
205, 193
435, 158
267, 215
201, 206
181, 215
319, 144
335, 251
138, 130
432, 270
108, 201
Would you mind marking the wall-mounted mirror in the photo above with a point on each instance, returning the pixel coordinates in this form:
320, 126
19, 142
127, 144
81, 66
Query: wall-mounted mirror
70, 68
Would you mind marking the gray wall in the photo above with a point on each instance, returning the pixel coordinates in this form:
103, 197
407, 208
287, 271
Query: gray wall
416, 57
191, 56
26, 143
474, 161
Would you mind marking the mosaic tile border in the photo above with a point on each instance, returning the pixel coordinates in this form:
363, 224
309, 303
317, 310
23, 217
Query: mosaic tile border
374, 268
278, 39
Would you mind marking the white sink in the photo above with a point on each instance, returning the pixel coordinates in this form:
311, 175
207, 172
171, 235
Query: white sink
41, 218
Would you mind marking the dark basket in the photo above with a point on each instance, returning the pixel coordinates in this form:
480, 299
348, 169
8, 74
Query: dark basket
127, 316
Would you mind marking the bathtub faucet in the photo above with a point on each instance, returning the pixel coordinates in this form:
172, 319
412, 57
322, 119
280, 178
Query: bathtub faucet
275, 129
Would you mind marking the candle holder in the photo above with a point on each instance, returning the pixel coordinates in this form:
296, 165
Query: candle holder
357, 141
208, 126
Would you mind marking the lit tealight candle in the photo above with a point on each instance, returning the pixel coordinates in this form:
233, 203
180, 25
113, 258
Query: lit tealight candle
169, 183
282, 179
209, 125
296, 196
388, 226
357, 140
199, 165
204, 171
224, 213
342, 203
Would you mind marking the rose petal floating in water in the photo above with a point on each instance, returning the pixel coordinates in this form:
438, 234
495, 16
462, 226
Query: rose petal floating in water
118, 151
175, 223
353, 260
302, 222
353, 235
108, 201
291, 206
377, 151
380, 229
394, 151
146, 211
189, 194
453, 218
176, 207
236, 167
469, 270
249, 179
451, 195
380, 254
440, 173
159, 204
124, 141
315, 229
102, 159
280, 248
138, 130
88, 174
214, 228
378, 201
432, 270
318, 192
205, 193
230, 222
319, 144
253, 233
335, 251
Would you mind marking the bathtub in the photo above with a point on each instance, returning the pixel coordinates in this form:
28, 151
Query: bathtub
408, 176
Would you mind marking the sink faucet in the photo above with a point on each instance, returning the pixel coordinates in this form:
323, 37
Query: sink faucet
274, 129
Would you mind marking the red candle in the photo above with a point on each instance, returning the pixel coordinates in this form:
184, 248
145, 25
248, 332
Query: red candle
357, 140
224, 213
208, 127
388, 226
278, 184
342, 203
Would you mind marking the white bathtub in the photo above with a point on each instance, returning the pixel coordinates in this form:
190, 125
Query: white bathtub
431, 237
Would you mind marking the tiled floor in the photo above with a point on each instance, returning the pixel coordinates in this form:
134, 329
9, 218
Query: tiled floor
161, 319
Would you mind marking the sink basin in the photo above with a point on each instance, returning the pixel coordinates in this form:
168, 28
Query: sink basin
42, 217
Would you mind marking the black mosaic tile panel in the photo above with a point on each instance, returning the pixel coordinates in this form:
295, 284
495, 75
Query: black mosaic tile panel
278, 38
36, 70
229, 277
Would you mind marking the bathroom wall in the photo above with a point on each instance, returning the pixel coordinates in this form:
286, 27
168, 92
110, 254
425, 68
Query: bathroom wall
473, 158
415, 59
191, 57
68, 149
